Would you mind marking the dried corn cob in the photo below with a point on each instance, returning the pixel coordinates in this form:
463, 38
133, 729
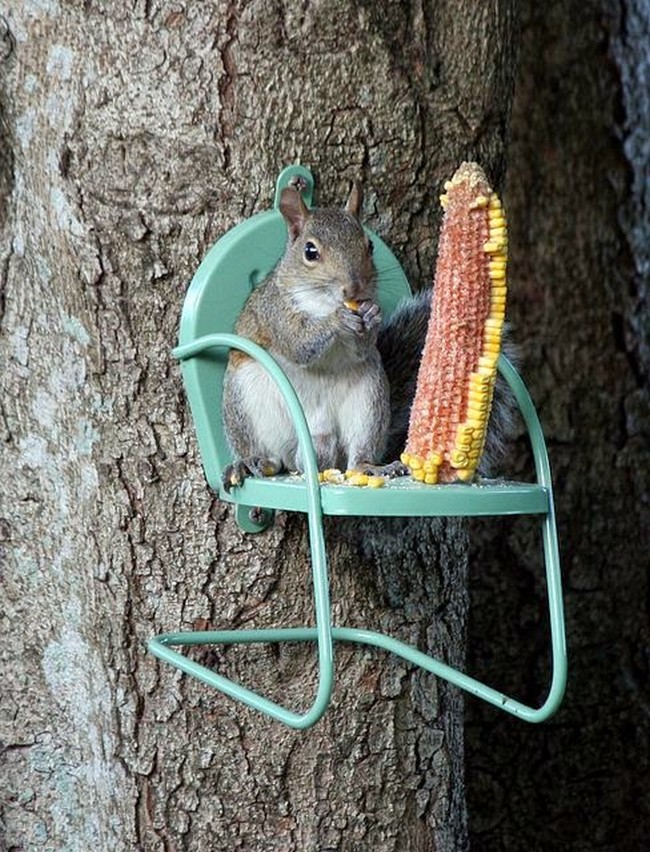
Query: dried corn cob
458, 369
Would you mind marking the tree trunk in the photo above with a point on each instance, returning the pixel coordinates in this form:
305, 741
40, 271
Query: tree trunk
132, 137
577, 193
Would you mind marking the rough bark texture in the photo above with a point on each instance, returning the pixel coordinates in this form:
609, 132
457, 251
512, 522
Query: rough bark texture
577, 194
133, 135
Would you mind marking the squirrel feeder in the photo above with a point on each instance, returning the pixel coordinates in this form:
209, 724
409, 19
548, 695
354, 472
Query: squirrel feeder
239, 261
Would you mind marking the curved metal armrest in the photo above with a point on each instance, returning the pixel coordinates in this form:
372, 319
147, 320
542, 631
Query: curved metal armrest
316, 540
550, 545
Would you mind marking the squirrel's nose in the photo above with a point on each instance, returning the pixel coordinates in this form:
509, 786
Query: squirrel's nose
355, 286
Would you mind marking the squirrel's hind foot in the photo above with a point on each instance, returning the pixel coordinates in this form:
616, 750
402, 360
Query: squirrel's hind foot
390, 471
234, 474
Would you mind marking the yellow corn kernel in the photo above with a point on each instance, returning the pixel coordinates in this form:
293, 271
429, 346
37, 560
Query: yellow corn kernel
358, 478
416, 463
464, 431
497, 274
492, 247
350, 473
479, 202
418, 475
376, 481
405, 458
431, 478
458, 459
352, 304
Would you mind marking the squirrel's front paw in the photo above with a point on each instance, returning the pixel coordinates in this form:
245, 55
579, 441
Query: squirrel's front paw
365, 316
370, 313
234, 474
352, 319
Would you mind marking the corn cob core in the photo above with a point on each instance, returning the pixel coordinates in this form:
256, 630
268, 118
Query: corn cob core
458, 368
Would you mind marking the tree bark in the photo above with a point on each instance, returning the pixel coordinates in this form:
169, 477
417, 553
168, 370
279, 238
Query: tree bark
133, 135
577, 192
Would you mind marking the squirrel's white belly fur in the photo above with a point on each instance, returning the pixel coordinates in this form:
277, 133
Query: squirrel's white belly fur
332, 402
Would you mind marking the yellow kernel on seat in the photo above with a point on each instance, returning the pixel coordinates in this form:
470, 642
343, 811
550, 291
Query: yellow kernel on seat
352, 304
321, 477
350, 473
418, 475
333, 475
465, 473
358, 479
431, 478
376, 481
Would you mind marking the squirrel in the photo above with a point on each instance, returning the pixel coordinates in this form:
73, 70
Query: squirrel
316, 314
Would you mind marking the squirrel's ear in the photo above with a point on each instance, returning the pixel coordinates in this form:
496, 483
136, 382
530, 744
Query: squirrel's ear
355, 199
294, 211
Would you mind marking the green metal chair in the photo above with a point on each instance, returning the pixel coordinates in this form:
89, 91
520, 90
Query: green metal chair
235, 264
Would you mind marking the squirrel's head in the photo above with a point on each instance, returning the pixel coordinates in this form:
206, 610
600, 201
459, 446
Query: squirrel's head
327, 247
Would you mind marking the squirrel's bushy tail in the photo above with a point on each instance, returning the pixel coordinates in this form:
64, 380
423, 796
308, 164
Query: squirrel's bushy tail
400, 343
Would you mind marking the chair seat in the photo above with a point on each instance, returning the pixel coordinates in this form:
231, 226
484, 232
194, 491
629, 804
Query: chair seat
398, 498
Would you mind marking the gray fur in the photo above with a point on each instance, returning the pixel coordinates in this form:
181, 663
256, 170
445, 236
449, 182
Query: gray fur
327, 351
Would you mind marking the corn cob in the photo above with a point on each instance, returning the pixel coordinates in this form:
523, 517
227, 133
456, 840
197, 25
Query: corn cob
458, 369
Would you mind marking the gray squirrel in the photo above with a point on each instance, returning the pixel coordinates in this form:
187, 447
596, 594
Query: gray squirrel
316, 314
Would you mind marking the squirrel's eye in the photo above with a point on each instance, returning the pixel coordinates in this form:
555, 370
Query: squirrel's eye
311, 252
371, 246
